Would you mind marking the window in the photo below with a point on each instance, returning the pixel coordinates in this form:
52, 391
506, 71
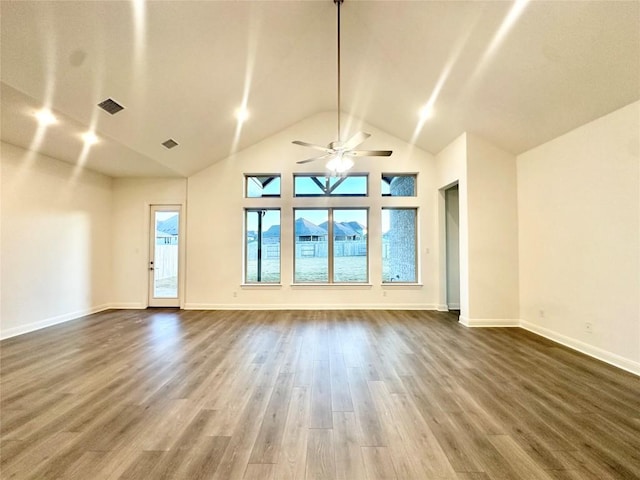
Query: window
311, 257
344, 259
257, 186
399, 185
322, 186
350, 259
399, 245
262, 246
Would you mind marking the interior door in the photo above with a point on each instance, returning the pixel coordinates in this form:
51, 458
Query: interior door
164, 256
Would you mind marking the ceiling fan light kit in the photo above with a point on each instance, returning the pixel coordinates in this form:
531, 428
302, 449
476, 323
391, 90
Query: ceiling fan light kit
339, 154
339, 164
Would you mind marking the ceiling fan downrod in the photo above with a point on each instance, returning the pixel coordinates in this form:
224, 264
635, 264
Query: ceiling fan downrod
338, 3
339, 154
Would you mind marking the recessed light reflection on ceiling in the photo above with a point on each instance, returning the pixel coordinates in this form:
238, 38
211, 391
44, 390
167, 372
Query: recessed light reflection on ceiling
242, 114
89, 138
514, 13
45, 117
426, 112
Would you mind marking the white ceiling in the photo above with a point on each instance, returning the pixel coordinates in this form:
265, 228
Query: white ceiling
181, 69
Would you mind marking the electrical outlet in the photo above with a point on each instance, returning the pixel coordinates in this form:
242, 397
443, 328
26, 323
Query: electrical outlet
541, 313
235, 294
384, 293
588, 327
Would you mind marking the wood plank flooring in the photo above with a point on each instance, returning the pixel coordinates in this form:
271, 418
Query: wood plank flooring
168, 394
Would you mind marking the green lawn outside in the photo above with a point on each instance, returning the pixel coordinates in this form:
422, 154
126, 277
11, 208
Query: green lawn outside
314, 269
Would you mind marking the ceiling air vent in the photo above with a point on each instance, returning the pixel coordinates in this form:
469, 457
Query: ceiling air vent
110, 106
170, 143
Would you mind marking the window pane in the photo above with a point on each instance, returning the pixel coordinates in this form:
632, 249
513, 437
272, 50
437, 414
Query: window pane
305, 185
399, 245
350, 185
318, 185
262, 246
350, 245
311, 250
165, 258
263, 186
399, 185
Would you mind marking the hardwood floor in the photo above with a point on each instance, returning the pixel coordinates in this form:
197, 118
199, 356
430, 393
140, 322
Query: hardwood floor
161, 394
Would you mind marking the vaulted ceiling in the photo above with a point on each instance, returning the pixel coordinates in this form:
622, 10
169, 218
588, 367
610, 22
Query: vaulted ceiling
182, 68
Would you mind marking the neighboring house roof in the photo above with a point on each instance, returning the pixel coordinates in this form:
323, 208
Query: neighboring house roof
355, 226
304, 227
340, 229
170, 225
273, 231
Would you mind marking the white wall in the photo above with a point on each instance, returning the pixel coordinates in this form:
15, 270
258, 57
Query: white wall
579, 223
215, 224
493, 234
488, 230
56, 241
452, 170
132, 198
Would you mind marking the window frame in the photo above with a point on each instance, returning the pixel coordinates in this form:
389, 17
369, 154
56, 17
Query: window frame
415, 247
331, 248
249, 176
327, 188
259, 258
408, 174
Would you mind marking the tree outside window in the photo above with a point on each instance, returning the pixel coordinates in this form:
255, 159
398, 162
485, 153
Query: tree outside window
399, 245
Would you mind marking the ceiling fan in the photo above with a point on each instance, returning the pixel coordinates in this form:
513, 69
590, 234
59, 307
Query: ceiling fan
339, 154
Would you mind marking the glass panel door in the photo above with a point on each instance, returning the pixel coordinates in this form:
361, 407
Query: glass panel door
164, 257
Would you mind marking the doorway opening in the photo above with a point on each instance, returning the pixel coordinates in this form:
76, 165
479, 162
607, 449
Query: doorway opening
452, 247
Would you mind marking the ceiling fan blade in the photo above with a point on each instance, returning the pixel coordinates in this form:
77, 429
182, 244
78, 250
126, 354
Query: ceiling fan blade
321, 157
313, 145
368, 153
356, 140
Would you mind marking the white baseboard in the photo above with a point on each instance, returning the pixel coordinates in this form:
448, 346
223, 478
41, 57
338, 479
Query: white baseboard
489, 322
442, 308
49, 322
453, 306
288, 306
595, 352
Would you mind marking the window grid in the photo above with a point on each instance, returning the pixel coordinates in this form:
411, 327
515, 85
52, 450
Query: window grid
338, 242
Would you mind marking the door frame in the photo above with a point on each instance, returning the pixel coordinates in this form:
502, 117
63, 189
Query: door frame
161, 302
443, 304
448, 254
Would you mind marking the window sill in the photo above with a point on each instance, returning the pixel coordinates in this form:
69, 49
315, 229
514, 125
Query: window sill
336, 286
356, 286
